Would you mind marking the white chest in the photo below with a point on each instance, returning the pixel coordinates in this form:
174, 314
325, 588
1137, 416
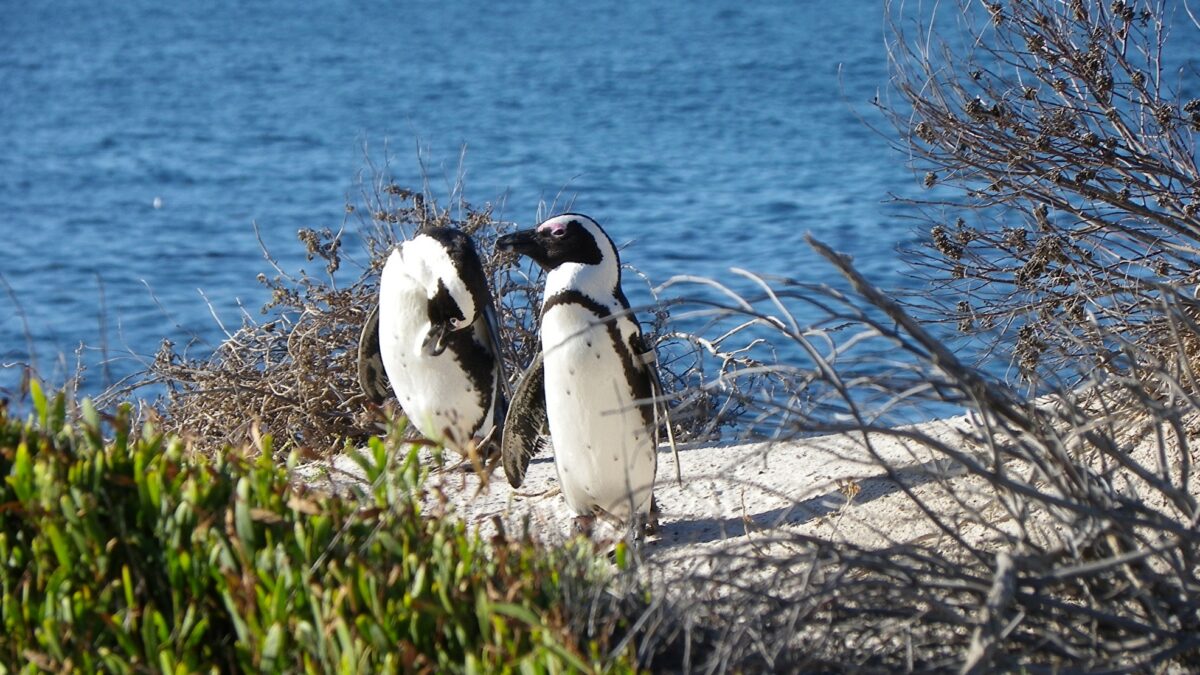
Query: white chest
436, 393
604, 451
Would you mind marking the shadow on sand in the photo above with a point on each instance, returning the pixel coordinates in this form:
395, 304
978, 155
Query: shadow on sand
703, 530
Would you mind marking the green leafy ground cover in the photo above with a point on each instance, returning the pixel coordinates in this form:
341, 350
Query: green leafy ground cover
122, 551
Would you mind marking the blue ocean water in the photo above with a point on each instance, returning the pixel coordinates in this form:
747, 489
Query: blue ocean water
142, 140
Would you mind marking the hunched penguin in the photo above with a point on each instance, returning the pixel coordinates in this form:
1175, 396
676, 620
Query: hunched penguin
438, 340
592, 384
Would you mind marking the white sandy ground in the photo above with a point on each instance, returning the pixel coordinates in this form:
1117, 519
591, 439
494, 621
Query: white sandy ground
731, 495
746, 499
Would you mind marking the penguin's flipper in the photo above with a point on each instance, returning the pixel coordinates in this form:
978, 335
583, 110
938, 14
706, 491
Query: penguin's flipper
371, 375
648, 357
493, 329
526, 423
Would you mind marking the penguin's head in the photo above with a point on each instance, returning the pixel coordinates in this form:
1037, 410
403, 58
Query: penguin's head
443, 261
436, 339
568, 238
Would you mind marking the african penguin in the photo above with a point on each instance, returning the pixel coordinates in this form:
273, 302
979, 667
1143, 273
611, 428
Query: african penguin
594, 377
439, 341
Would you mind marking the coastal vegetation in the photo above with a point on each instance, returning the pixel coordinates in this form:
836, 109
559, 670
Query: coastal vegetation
123, 551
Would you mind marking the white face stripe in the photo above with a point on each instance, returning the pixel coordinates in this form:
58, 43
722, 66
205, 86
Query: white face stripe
559, 223
555, 225
426, 261
595, 281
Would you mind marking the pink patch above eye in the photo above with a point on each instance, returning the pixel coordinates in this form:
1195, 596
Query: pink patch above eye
556, 229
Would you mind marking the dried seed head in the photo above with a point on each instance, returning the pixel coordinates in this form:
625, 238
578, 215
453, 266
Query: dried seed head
1165, 114
976, 109
997, 12
925, 132
965, 320
930, 179
1029, 347
166, 354
1122, 10
1075, 310
1016, 238
1050, 248
1041, 213
943, 244
1060, 122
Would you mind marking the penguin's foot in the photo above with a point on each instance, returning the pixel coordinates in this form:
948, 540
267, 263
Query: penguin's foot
650, 525
484, 465
479, 457
488, 445
584, 524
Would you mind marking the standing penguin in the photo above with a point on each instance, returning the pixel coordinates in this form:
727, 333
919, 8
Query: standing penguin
438, 340
593, 383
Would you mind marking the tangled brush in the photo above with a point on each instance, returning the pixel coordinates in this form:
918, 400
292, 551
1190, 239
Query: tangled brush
294, 373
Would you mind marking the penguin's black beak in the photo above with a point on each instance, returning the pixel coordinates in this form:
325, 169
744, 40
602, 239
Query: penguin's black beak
435, 339
525, 242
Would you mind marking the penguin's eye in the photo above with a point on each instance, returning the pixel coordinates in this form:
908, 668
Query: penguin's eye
558, 232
